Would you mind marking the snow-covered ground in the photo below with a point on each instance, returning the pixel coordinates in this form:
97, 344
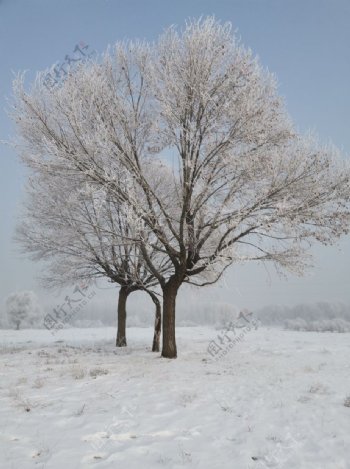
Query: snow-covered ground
275, 400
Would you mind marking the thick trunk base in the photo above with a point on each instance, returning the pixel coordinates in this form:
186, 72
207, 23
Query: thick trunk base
121, 334
121, 342
169, 349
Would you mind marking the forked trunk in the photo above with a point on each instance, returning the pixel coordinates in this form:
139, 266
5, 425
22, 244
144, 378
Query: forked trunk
169, 301
157, 322
121, 334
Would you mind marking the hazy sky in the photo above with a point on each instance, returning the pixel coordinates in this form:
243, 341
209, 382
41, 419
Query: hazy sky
306, 43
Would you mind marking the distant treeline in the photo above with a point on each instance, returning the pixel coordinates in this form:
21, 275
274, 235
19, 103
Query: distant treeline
192, 311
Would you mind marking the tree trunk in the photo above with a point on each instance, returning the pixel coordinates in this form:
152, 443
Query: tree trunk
157, 322
169, 300
121, 334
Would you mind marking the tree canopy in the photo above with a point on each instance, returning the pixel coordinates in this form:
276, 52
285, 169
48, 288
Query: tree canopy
241, 184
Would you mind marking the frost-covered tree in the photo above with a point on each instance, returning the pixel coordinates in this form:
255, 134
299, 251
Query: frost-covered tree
245, 185
23, 310
83, 235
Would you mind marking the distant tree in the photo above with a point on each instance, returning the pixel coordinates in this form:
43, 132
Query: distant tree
23, 310
245, 185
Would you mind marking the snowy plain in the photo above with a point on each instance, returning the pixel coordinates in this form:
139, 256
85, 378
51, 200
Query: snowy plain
275, 400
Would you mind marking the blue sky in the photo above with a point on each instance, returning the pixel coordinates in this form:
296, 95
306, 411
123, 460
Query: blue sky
305, 43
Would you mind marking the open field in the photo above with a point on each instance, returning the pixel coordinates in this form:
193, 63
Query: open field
276, 400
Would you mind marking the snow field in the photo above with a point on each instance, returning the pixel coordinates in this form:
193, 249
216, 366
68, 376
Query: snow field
276, 400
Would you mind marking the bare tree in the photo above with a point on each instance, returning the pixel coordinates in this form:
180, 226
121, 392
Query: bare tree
245, 185
84, 235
